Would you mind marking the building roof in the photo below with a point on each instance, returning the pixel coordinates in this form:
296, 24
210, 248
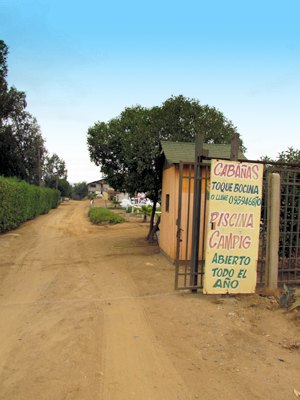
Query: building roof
100, 181
185, 151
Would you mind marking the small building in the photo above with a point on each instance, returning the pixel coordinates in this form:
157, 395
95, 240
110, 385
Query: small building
177, 195
100, 187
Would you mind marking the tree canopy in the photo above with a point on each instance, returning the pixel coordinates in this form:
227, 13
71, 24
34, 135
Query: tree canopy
80, 190
127, 148
54, 170
290, 155
22, 147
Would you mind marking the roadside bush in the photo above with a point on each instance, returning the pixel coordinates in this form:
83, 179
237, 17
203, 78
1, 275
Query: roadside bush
98, 215
116, 202
92, 196
20, 201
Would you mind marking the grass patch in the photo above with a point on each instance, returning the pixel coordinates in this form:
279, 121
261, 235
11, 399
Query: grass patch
99, 215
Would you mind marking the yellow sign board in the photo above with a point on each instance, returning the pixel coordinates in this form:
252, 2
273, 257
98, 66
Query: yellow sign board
233, 227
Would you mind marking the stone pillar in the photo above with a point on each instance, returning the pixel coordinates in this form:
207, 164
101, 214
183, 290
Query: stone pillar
273, 213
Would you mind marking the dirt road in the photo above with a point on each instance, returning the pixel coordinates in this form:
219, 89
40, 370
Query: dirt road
89, 312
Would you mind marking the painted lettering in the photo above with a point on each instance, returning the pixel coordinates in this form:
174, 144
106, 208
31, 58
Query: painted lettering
227, 283
230, 260
223, 272
222, 186
242, 171
233, 220
240, 188
242, 274
229, 241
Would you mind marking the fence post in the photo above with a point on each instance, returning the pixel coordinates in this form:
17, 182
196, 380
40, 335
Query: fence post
196, 212
235, 146
273, 213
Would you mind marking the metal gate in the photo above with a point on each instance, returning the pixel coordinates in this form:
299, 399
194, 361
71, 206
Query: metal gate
189, 275
289, 240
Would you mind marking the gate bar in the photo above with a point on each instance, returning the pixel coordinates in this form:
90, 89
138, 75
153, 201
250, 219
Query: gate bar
178, 223
196, 211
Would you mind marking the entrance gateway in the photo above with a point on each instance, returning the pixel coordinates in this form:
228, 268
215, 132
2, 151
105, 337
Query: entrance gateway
190, 274
228, 227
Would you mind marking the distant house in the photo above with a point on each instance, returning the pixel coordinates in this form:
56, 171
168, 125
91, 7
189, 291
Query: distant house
100, 187
177, 194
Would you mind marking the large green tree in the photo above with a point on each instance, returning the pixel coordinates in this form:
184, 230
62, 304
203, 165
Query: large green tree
54, 171
79, 190
11, 100
22, 147
127, 148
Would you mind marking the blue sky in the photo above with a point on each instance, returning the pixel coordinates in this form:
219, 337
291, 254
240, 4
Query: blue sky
85, 61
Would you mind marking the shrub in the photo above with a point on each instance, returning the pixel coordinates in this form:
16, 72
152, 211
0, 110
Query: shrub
92, 196
116, 202
98, 215
79, 190
20, 201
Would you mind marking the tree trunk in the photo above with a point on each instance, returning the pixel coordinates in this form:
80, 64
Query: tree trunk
150, 233
154, 230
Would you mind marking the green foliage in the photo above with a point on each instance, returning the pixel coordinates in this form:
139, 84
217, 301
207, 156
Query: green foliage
289, 205
146, 211
98, 215
116, 202
290, 155
79, 191
11, 100
22, 147
20, 201
181, 118
62, 185
134, 210
64, 188
54, 170
143, 210
92, 196
128, 147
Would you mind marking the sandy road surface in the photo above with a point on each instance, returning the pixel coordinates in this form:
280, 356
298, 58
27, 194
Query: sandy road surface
89, 312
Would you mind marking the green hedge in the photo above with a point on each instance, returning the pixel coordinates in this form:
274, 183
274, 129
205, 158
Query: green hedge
98, 215
20, 201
